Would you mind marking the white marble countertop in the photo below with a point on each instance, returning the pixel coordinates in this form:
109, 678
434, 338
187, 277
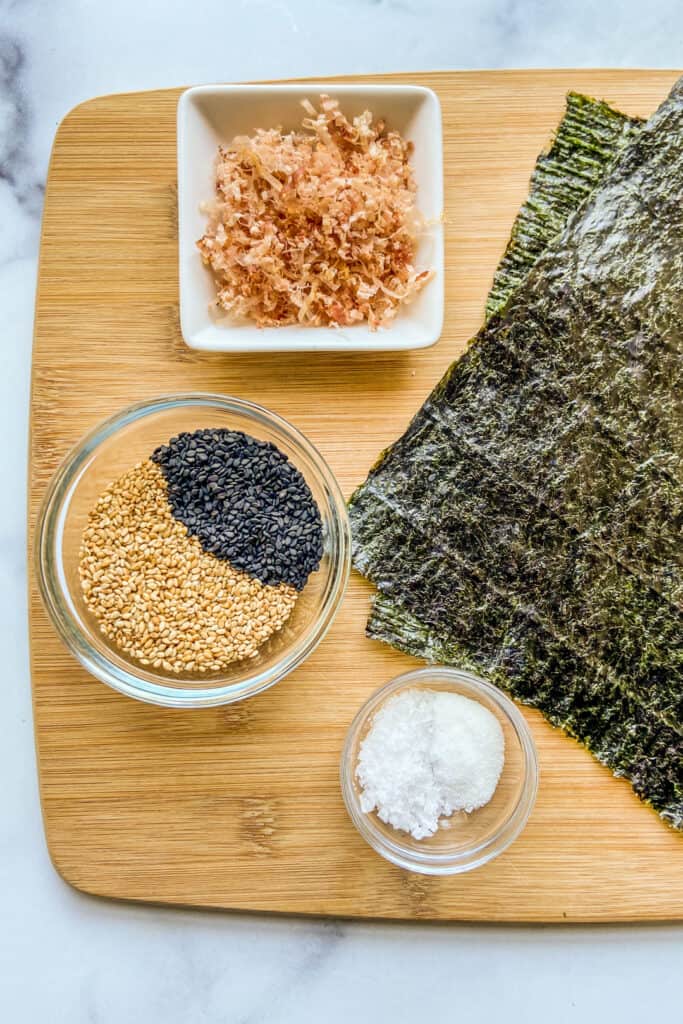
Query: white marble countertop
69, 959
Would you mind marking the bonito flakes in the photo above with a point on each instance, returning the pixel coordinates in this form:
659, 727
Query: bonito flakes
316, 227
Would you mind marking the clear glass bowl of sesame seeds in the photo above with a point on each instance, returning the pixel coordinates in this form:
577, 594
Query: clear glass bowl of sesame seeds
111, 450
464, 840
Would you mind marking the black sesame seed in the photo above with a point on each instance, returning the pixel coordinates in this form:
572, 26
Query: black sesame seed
245, 502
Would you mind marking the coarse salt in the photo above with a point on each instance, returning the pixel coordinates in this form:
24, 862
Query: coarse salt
429, 753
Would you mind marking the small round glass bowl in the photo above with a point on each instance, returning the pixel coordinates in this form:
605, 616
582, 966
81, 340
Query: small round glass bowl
106, 453
468, 840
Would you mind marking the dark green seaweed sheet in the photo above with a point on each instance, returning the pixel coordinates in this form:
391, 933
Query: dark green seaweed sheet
473, 626
616, 336
520, 547
597, 413
597, 471
589, 136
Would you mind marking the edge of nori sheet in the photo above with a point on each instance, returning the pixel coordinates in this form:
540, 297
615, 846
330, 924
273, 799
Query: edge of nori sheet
588, 137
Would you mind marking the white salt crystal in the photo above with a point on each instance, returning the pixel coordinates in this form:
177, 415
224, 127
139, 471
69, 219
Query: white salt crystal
429, 753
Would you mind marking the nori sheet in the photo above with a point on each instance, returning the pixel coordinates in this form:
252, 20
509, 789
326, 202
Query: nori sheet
589, 349
517, 546
475, 627
597, 471
589, 136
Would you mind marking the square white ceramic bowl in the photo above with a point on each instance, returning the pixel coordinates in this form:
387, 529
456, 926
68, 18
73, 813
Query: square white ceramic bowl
212, 114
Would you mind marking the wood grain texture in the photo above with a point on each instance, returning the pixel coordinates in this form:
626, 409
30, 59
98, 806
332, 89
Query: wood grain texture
240, 807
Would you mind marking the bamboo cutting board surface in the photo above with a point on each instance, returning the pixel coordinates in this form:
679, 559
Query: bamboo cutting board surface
239, 807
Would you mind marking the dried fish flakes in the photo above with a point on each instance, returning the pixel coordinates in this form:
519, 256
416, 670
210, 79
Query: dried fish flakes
316, 227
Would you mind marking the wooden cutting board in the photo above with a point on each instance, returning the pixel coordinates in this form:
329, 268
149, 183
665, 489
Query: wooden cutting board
239, 807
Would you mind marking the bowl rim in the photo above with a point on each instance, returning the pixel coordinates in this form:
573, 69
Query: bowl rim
429, 862
54, 591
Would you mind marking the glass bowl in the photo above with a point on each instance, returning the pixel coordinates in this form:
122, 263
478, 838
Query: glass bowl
469, 840
100, 458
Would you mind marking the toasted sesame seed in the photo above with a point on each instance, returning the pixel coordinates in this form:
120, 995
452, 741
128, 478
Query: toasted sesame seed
166, 604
